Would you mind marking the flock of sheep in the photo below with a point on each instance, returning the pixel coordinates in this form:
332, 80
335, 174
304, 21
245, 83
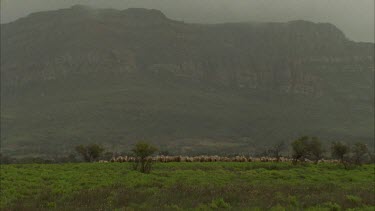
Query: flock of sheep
204, 158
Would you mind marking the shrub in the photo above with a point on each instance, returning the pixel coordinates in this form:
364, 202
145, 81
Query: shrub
300, 149
354, 199
359, 152
293, 201
90, 152
339, 150
142, 152
51, 205
219, 203
276, 150
307, 148
315, 149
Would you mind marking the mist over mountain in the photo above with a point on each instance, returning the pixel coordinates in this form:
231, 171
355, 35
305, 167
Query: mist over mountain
85, 75
355, 18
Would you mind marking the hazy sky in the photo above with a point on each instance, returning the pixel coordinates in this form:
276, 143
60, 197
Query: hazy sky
354, 17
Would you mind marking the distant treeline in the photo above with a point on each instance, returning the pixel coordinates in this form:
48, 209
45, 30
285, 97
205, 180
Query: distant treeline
303, 149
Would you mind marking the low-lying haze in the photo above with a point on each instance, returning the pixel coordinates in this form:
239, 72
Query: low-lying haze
354, 17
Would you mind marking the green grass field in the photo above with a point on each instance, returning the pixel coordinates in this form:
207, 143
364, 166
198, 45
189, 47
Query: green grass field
173, 186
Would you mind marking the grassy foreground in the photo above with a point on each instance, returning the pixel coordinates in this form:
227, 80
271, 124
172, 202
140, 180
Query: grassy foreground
173, 186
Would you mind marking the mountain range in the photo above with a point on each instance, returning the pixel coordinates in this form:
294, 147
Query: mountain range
82, 75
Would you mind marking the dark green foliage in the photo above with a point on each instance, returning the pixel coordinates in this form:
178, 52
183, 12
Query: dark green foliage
359, 151
307, 148
316, 149
300, 149
142, 152
219, 204
90, 152
339, 150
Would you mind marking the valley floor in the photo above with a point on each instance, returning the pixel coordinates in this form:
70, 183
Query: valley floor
174, 186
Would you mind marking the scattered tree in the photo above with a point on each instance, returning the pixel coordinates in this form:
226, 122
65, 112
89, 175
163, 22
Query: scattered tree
339, 151
276, 150
142, 152
90, 152
359, 151
300, 149
307, 148
316, 150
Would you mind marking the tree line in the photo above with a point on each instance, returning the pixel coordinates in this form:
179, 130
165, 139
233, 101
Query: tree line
311, 148
302, 149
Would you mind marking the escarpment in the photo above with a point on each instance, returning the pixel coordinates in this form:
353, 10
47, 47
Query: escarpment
266, 56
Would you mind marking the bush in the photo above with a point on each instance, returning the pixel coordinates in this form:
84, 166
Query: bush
142, 152
350, 156
354, 200
300, 149
90, 152
316, 150
307, 148
339, 150
219, 203
276, 150
359, 152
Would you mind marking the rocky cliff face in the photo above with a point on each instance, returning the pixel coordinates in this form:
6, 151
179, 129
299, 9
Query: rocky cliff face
266, 56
